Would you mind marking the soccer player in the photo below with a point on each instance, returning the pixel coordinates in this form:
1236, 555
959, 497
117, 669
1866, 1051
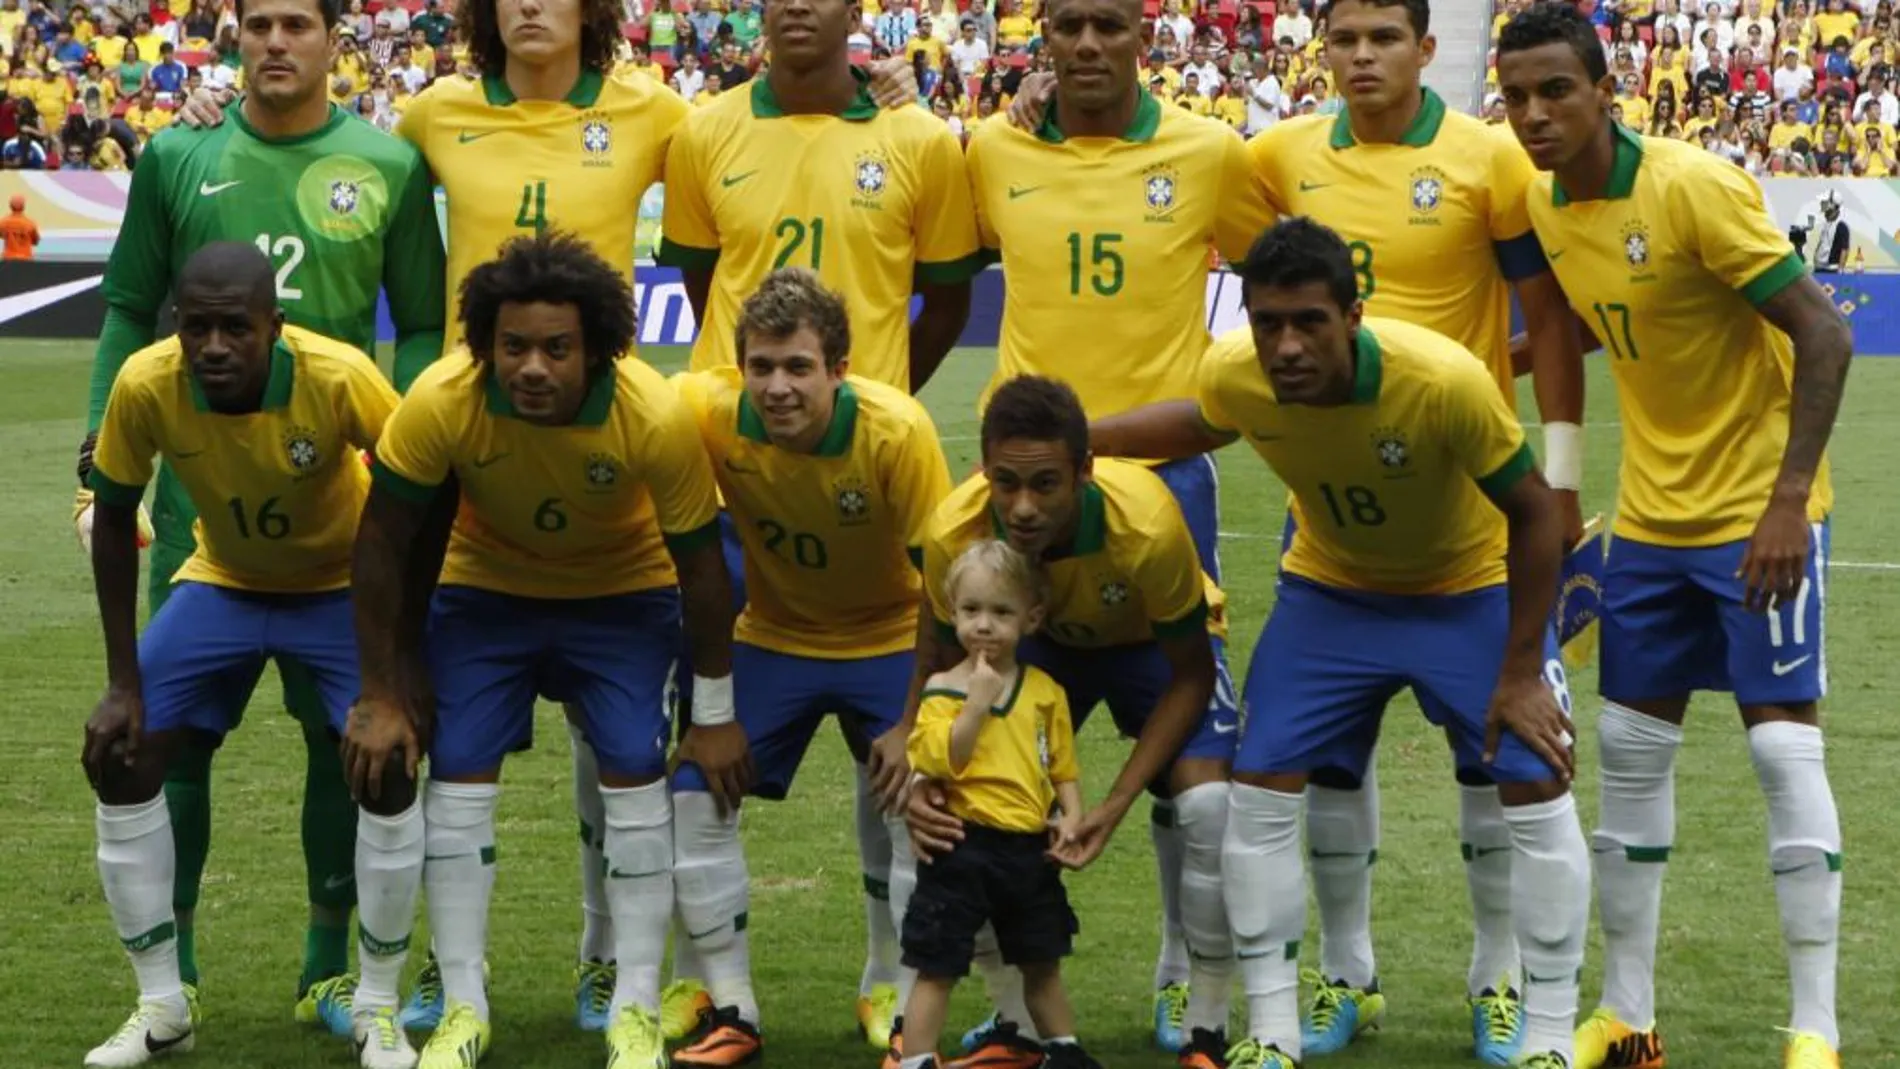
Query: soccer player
343, 211
821, 470
586, 531
1431, 203
263, 423
1428, 556
801, 167
1103, 216
1729, 363
1128, 626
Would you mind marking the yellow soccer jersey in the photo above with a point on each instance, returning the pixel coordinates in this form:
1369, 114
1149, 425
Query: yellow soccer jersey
514, 167
1025, 748
1105, 244
873, 201
1130, 575
578, 511
1389, 491
278, 491
831, 539
1668, 269
1436, 222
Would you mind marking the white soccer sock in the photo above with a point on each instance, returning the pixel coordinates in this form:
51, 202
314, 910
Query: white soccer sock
459, 878
1003, 982
881, 944
1171, 964
1265, 886
639, 850
686, 964
903, 886
1200, 816
1485, 841
713, 889
1342, 838
1636, 827
137, 863
1550, 905
389, 853
597, 926
1804, 851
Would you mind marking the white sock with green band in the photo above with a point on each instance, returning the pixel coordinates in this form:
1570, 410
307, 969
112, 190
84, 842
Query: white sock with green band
136, 867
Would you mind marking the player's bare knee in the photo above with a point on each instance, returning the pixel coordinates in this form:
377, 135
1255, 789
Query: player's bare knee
1808, 713
133, 783
1516, 794
395, 794
1335, 779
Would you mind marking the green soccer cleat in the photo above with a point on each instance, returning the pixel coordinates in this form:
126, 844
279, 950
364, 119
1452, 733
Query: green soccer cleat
459, 1042
634, 1041
1253, 1054
684, 1006
877, 1015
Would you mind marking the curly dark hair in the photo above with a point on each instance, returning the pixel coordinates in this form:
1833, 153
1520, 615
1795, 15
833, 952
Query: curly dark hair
1296, 251
481, 29
553, 268
1553, 23
1039, 410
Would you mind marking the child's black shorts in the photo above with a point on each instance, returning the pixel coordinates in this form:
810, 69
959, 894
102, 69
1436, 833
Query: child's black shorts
996, 877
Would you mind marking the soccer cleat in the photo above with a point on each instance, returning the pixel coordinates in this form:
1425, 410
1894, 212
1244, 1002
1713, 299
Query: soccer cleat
1808, 1050
1338, 1013
1170, 1011
1253, 1054
380, 1042
726, 1041
980, 1035
894, 1054
329, 1003
1003, 1047
684, 1008
634, 1041
876, 1013
153, 1031
1203, 1050
1603, 1042
1068, 1056
423, 1011
1543, 1059
1497, 1026
594, 995
459, 1042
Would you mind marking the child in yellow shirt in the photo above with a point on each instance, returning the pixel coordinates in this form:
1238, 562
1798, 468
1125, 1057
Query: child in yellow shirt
997, 734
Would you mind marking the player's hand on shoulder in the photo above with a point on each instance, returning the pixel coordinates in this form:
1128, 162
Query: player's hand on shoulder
1032, 100
893, 83
933, 828
379, 731
1522, 704
204, 108
724, 758
112, 732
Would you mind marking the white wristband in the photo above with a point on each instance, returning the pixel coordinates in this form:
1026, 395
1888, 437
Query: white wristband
1563, 456
712, 701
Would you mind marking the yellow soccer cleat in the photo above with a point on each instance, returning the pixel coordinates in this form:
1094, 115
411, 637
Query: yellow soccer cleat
877, 1013
634, 1041
459, 1042
1807, 1050
684, 1006
1604, 1042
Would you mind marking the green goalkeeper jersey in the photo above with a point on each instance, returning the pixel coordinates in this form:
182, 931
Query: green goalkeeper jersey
343, 212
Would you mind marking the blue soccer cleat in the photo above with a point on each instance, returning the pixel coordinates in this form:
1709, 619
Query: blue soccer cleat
1338, 1013
1170, 1012
1497, 1026
423, 1011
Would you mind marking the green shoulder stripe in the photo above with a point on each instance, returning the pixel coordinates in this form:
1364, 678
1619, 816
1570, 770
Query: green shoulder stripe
1520, 464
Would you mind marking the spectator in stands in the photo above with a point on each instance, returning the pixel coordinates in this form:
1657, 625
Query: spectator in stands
1791, 76
201, 25
395, 16
971, 52
925, 73
1207, 77
731, 68
1176, 22
897, 26
132, 71
1876, 158
357, 20
435, 26
1748, 75
927, 44
167, 76
1830, 150
746, 24
1013, 28
68, 52
688, 80
1266, 99
146, 36
1292, 22
1625, 43
146, 117
686, 42
706, 19
1250, 33
1192, 98
413, 78
53, 96
19, 230
941, 107
1837, 21
26, 149
1712, 79
12, 18
663, 28
381, 47
1879, 96
1663, 121
222, 71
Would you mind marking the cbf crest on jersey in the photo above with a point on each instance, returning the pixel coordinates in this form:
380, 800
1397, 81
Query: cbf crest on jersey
300, 449
344, 198
597, 139
854, 500
870, 173
1390, 446
1426, 192
1045, 712
603, 471
1114, 592
1160, 191
1636, 247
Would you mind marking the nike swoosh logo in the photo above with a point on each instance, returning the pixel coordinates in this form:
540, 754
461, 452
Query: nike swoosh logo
1487, 851
154, 1045
186, 456
473, 135
1261, 436
24, 304
1781, 669
734, 179
207, 189
737, 470
1308, 187
1225, 729
483, 462
1021, 191
701, 935
1553, 257
334, 883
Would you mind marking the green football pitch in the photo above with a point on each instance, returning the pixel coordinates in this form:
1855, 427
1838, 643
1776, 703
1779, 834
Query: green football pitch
1722, 974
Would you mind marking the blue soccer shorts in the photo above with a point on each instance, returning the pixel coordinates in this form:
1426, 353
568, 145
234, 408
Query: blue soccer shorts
1130, 680
734, 553
491, 654
202, 653
781, 698
1329, 660
1674, 622
1195, 483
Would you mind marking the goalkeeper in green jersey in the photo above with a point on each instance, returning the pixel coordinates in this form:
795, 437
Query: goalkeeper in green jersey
342, 210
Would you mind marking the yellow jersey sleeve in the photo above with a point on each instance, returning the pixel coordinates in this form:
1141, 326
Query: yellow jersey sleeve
122, 456
1511, 174
945, 212
1168, 573
929, 744
681, 478
986, 235
936, 565
920, 480
417, 445
1481, 428
1730, 232
687, 217
367, 400
1245, 213
1220, 355
1059, 730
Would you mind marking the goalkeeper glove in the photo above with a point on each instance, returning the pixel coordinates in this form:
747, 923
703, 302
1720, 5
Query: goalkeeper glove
82, 501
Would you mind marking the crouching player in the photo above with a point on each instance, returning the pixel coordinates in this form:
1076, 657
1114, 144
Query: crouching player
996, 733
263, 424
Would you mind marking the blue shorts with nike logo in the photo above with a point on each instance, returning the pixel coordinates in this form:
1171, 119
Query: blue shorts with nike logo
1330, 659
1674, 622
1130, 679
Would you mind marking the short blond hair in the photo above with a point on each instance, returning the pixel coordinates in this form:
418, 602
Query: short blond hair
1000, 559
790, 298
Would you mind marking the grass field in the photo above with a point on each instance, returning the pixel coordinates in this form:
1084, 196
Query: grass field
1722, 975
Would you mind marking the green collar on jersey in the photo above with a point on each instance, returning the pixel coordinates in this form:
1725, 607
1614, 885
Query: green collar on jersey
586, 90
1368, 367
1009, 700
837, 439
862, 108
594, 407
283, 375
1091, 526
1147, 120
1422, 132
1626, 148
235, 111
